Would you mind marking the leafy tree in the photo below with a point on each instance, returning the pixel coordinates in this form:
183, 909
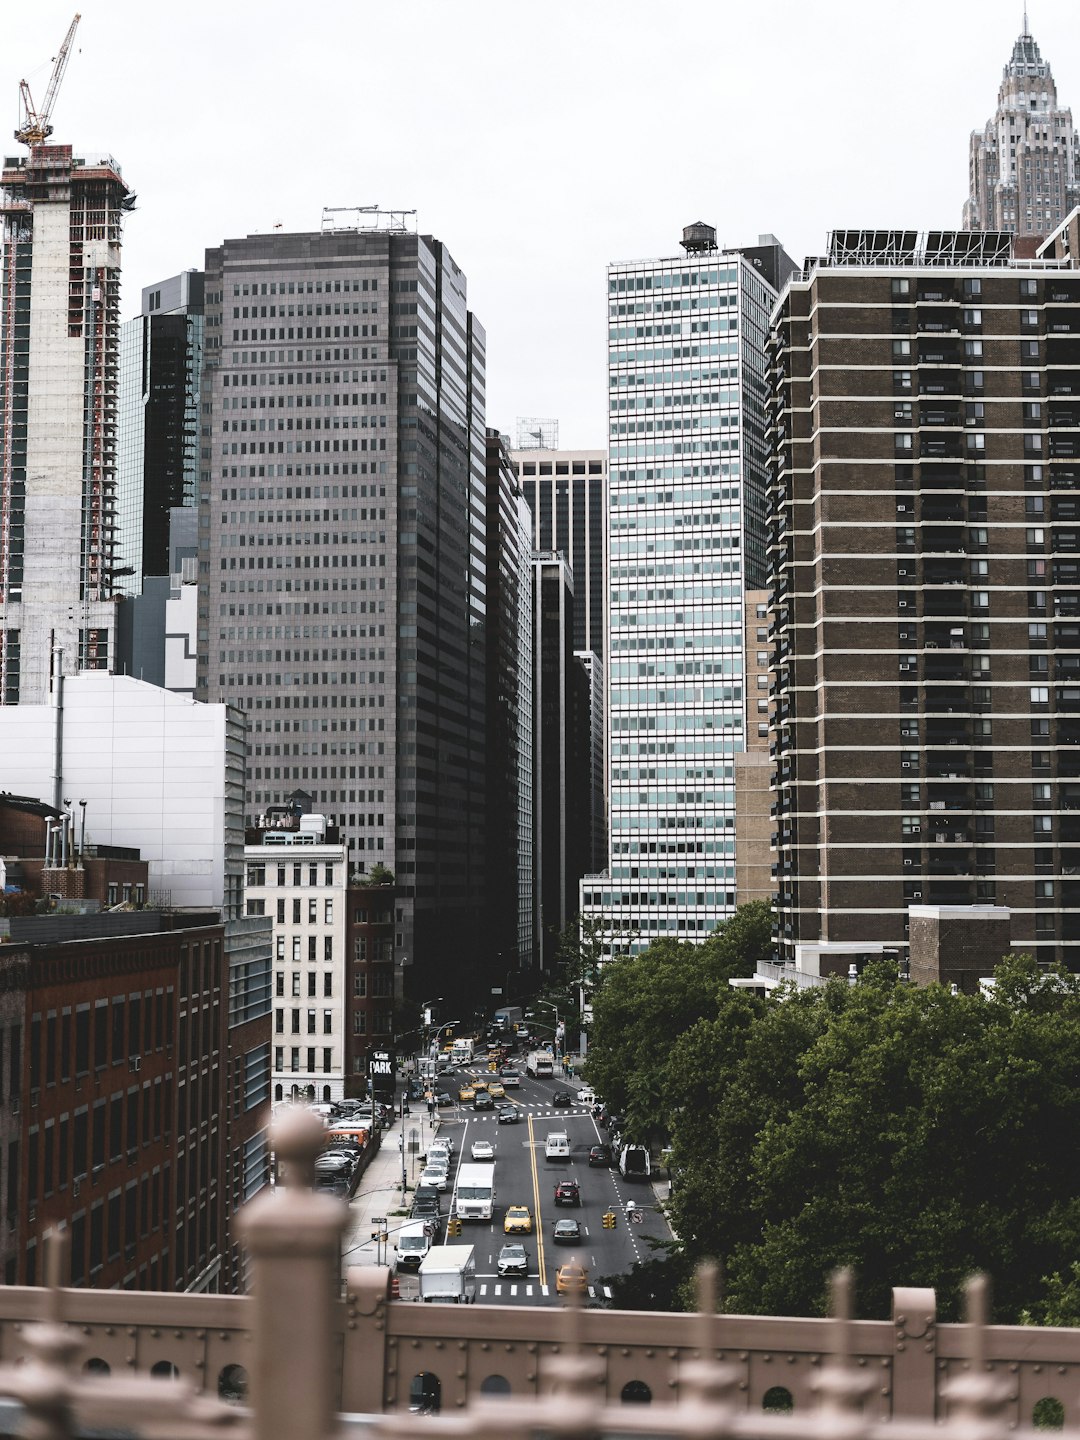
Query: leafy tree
643, 1003
664, 1282
379, 874
912, 1133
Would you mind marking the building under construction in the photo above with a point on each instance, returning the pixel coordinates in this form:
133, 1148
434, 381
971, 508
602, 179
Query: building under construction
59, 319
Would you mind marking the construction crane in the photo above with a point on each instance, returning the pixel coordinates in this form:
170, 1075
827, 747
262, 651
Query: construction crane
35, 128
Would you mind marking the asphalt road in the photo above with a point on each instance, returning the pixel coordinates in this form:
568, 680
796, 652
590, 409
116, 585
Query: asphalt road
524, 1177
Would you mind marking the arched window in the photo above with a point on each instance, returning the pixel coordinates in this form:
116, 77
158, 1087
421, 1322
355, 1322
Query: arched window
164, 1370
96, 1366
779, 1398
1048, 1414
425, 1394
495, 1385
636, 1392
232, 1384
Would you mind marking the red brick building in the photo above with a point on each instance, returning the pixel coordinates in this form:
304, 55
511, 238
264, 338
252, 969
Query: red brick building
120, 1118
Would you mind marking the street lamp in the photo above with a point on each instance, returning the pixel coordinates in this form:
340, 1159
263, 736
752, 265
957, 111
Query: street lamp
559, 1029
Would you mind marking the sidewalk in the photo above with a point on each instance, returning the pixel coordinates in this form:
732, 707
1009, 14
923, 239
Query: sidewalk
380, 1197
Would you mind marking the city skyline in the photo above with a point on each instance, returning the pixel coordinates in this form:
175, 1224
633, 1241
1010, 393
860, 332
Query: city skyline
563, 152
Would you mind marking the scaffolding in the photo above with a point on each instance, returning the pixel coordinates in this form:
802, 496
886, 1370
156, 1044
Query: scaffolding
367, 217
537, 434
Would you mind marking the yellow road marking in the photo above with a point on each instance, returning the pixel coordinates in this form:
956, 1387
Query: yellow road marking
536, 1201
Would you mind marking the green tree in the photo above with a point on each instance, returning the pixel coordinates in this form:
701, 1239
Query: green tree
914, 1134
643, 1003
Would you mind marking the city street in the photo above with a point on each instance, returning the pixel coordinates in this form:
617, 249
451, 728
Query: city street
524, 1177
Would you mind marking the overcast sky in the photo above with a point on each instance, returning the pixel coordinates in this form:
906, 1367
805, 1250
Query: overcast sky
539, 141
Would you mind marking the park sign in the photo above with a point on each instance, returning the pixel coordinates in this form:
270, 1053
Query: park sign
381, 1066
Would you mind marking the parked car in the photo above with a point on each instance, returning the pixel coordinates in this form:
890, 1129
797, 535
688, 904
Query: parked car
436, 1175
567, 1192
426, 1201
562, 1100
600, 1155
508, 1115
518, 1220
566, 1232
571, 1277
513, 1259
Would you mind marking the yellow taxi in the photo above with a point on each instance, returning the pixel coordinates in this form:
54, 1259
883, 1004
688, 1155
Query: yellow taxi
466, 1093
479, 1084
571, 1278
518, 1220
495, 1090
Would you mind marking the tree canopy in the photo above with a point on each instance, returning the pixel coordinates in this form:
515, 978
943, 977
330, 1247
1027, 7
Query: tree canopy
912, 1133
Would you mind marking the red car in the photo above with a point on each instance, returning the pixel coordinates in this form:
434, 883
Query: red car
567, 1192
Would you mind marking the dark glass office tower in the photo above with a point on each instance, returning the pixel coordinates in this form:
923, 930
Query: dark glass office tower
161, 353
342, 584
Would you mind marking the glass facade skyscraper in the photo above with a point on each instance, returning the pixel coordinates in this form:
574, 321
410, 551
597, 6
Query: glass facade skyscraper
686, 375
161, 352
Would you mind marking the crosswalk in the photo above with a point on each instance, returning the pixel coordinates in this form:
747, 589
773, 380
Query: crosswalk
514, 1289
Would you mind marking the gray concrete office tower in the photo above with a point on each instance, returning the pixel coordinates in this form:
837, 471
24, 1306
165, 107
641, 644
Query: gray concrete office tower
1024, 167
342, 589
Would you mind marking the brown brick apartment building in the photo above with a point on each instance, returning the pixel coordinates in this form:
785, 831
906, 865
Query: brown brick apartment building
124, 1115
925, 565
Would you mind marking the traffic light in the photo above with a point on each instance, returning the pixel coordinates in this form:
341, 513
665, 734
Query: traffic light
453, 1226
609, 1220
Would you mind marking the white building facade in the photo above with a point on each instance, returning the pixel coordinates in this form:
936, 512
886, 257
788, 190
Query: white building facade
299, 882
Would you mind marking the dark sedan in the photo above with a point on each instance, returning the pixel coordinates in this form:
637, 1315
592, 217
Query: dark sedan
562, 1100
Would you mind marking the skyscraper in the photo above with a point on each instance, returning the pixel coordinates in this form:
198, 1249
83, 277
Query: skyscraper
161, 351
510, 930
1024, 168
59, 327
343, 591
925, 590
686, 375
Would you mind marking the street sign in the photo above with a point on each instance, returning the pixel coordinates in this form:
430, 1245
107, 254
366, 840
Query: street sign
380, 1065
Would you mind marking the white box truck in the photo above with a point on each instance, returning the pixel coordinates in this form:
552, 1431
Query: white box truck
462, 1052
448, 1275
474, 1194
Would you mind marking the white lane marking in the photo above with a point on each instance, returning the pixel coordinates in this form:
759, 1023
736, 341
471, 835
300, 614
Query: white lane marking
607, 1292
545, 1290
528, 1289
483, 1289
497, 1289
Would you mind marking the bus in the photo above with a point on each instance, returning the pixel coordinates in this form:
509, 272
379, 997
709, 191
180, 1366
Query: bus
474, 1193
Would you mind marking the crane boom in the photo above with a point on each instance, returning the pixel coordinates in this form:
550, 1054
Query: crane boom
36, 127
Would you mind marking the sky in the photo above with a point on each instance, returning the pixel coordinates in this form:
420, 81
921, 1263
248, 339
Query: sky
540, 140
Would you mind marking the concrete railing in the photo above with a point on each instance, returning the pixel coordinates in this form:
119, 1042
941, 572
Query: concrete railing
300, 1353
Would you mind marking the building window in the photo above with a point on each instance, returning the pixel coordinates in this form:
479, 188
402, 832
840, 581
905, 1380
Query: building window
312, 910
328, 912
328, 983
328, 1022
311, 1022
359, 986
256, 874
296, 984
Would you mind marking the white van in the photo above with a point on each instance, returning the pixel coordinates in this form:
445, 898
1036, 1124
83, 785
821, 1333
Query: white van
587, 1096
557, 1145
413, 1243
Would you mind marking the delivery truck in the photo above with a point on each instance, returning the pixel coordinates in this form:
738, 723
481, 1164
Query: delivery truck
448, 1275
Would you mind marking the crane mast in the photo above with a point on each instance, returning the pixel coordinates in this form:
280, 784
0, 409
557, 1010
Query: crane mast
35, 128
